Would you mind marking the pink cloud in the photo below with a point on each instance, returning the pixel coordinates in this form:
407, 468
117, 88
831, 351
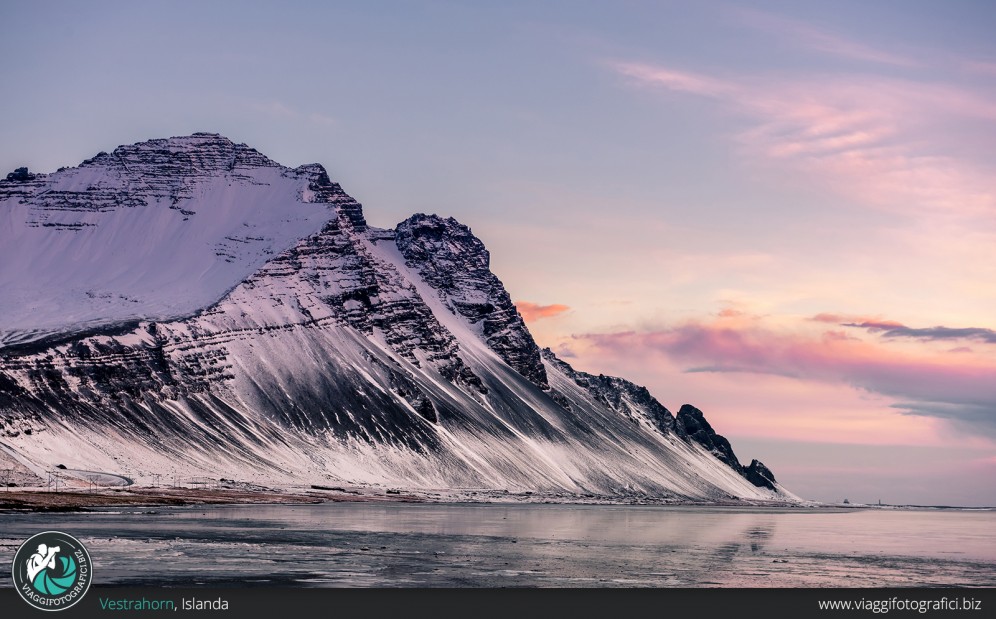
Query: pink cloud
882, 141
766, 406
677, 80
531, 312
958, 389
729, 312
841, 319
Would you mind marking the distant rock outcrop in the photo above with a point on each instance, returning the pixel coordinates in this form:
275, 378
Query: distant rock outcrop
759, 475
692, 425
20, 175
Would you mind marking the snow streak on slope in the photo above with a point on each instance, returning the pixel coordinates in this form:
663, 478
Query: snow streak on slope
354, 355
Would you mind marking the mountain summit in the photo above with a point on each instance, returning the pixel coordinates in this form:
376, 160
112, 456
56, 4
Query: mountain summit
155, 230
189, 307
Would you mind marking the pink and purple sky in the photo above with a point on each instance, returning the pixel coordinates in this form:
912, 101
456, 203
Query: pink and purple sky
783, 213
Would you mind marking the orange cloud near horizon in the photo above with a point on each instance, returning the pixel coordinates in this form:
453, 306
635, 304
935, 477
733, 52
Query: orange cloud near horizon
531, 312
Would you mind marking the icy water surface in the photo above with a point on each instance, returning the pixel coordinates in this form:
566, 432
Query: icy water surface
434, 545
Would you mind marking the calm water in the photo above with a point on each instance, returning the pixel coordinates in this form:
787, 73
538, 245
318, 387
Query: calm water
363, 544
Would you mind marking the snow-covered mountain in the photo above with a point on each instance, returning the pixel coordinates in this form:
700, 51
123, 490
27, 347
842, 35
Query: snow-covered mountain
189, 307
156, 230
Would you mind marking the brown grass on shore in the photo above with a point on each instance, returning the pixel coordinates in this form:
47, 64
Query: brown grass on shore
77, 500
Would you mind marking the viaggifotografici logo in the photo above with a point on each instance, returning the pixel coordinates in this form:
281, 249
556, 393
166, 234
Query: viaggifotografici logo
52, 571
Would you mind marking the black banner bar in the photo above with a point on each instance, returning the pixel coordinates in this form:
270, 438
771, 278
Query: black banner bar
108, 602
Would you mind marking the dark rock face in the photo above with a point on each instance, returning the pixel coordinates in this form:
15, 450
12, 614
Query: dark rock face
171, 163
619, 394
330, 192
760, 475
455, 262
20, 175
692, 425
20, 184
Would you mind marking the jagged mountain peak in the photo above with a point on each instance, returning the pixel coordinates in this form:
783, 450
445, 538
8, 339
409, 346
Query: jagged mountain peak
457, 264
422, 235
316, 172
198, 153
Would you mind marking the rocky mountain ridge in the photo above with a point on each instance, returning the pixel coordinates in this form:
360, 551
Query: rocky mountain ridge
350, 353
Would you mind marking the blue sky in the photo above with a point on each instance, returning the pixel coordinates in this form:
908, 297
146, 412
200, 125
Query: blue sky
709, 198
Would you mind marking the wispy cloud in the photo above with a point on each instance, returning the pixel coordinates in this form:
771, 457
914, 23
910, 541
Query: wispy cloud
531, 312
850, 320
953, 388
932, 333
807, 36
874, 139
677, 80
893, 329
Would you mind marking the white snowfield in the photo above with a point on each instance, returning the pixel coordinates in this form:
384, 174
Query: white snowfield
310, 351
99, 245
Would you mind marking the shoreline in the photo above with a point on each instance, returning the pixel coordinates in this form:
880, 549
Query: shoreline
79, 500
47, 501
41, 500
